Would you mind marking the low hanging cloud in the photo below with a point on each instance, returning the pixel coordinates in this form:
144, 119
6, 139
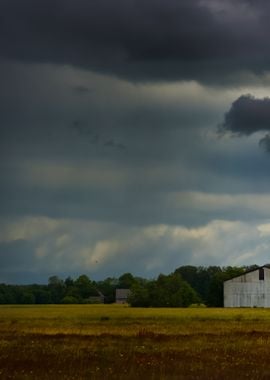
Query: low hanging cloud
69, 247
246, 116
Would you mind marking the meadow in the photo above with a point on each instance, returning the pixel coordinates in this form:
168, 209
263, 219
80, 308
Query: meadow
119, 342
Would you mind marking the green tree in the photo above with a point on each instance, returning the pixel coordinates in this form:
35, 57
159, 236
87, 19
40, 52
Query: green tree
199, 278
126, 281
70, 300
85, 287
42, 296
166, 291
27, 298
173, 291
139, 295
215, 295
69, 282
56, 288
107, 288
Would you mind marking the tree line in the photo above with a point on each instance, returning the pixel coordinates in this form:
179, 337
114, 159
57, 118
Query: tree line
187, 285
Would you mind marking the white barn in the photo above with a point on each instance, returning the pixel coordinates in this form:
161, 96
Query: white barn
251, 289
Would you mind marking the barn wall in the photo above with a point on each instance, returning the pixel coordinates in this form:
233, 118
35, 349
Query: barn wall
247, 290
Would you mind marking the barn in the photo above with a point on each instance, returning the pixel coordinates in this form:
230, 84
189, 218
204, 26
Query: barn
251, 289
121, 295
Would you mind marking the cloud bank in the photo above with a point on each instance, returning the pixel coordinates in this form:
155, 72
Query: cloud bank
44, 246
204, 40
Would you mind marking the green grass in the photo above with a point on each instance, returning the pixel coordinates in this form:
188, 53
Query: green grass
118, 342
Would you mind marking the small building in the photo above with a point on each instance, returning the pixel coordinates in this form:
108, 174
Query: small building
121, 295
251, 289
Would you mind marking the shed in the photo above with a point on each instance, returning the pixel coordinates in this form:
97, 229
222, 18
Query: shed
121, 295
251, 289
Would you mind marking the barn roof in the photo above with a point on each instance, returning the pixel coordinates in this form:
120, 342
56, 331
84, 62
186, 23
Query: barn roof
249, 271
122, 293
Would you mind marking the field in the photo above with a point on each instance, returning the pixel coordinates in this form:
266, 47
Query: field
118, 342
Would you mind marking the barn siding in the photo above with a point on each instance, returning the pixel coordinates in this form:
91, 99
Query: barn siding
248, 290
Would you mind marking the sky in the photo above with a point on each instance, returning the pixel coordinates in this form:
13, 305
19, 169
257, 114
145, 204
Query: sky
134, 136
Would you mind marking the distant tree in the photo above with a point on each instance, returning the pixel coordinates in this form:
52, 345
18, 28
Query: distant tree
85, 287
56, 288
166, 291
42, 296
199, 278
215, 294
27, 298
107, 288
187, 285
173, 291
140, 295
190, 274
8, 294
126, 281
55, 281
69, 282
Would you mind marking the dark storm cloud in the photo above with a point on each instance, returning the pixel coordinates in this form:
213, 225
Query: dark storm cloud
247, 115
140, 39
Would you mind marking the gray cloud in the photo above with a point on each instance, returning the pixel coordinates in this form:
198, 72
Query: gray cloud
85, 131
81, 89
265, 143
17, 253
114, 144
140, 40
247, 115
68, 247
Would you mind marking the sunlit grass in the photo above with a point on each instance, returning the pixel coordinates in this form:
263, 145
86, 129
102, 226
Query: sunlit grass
118, 342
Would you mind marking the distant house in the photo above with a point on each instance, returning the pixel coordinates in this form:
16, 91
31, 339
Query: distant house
251, 289
121, 295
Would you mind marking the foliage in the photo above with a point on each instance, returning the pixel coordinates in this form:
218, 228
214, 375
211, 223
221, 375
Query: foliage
69, 300
107, 288
208, 281
166, 291
126, 281
186, 285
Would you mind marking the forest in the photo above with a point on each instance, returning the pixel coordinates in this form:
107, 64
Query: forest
186, 286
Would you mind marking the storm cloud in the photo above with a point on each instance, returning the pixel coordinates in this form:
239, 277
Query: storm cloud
247, 115
203, 40
110, 160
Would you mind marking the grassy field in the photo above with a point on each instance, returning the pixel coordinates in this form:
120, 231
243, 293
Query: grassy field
118, 342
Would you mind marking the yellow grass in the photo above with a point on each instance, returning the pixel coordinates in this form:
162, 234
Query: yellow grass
118, 342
